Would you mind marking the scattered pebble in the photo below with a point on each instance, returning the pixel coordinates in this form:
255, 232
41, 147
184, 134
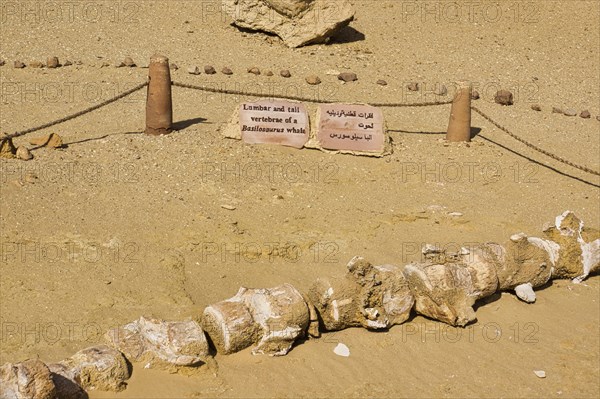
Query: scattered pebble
313, 80
52, 62
24, 153
52, 140
285, 74
174, 67
382, 82
128, 61
228, 207
347, 76
504, 97
19, 64
341, 350
414, 86
67, 63
254, 70
269, 73
104, 64
36, 64
540, 373
440, 90
556, 110
455, 214
585, 114
570, 112
475, 95
226, 71
193, 70
209, 70
536, 107
2, 62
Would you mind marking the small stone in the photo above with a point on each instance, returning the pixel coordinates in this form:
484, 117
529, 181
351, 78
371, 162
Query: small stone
120, 65
52, 62
254, 71
341, 350
313, 80
226, 71
503, 97
269, 73
67, 63
585, 114
347, 76
128, 61
285, 73
455, 214
382, 82
228, 207
570, 112
174, 67
209, 70
475, 95
24, 153
19, 64
36, 64
106, 64
193, 70
556, 110
7, 148
525, 292
414, 86
536, 107
540, 373
440, 90
2, 62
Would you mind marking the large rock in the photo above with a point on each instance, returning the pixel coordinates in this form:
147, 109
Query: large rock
30, 379
296, 22
166, 344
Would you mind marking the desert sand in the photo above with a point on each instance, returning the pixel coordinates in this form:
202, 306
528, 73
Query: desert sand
119, 224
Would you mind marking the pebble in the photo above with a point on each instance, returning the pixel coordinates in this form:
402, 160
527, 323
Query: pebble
440, 90
228, 207
341, 350
254, 70
540, 373
585, 114
313, 80
193, 70
475, 95
36, 64
536, 107
19, 64
269, 73
128, 61
347, 76
24, 153
557, 110
570, 112
285, 73
209, 70
2, 62
174, 67
104, 64
382, 82
414, 86
67, 63
503, 97
226, 71
455, 214
52, 62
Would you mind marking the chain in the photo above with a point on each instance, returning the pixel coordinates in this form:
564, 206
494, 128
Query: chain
298, 98
77, 114
533, 146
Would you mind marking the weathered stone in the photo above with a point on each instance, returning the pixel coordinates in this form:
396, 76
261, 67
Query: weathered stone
296, 22
193, 70
24, 154
382, 82
66, 387
128, 62
209, 70
536, 107
254, 71
503, 97
19, 64
30, 379
475, 95
525, 292
52, 62
482, 262
269, 73
165, 344
570, 112
413, 86
556, 110
585, 114
226, 71
7, 148
527, 260
347, 76
442, 292
285, 73
313, 80
99, 367
36, 64
52, 140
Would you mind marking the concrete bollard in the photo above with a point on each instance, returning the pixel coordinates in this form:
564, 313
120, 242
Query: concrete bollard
459, 126
159, 106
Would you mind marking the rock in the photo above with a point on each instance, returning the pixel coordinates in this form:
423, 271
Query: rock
269, 73
68, 63
440, 90
313, 80
165, 343
66, 387
285, 73
296, 22
525, 292
540, 373
24, 153
270, 318
36, 64
52, 62
382, 82
347, 76
106, 64
173, 67
193, 70
503, 97
526, 260
52, 140
19, 64
30, 379
228, 207
570, 112
7, 148
226, 71
475, 95
556, 110
209, 70
585, 114
2, 62
442, 292
413, 86
536, 107
128, 62
341, 350
482, 261
254, 71
99, 367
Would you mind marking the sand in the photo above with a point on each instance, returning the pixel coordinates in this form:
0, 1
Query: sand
119, 224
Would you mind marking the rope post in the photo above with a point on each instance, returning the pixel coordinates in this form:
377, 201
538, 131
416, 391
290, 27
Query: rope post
159, 106
459, 126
